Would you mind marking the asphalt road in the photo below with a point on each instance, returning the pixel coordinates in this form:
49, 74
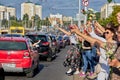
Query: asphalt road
47, 70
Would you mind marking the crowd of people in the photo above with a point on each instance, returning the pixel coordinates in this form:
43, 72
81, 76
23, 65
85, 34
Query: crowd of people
99, 46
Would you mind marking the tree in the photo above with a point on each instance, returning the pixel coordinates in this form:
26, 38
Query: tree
4, 23
112, 18
109, 1
26, 19
35, 20
97, 15
13, 18
13, 21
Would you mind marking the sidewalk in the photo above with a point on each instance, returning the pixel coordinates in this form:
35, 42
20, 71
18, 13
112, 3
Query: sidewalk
77, 77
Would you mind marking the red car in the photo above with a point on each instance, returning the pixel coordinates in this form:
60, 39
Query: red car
18, 55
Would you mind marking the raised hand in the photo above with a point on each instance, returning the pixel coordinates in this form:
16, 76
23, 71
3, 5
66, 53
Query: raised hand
75, 29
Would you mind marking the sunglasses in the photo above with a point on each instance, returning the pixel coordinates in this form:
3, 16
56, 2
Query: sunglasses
106, 32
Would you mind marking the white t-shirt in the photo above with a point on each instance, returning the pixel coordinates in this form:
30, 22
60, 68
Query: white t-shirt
73, 39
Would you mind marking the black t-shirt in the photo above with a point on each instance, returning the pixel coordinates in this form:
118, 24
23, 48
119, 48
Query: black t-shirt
86, 44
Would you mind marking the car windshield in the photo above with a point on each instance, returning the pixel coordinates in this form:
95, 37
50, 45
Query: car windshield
35, 38
12, 45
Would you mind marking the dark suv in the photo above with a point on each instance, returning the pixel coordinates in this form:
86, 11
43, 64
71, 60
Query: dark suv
45, 47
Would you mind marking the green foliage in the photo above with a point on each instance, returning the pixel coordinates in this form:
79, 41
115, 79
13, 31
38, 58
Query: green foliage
25, 17
4, 23
109, 1
26, 20
112, 18
16, 23
13, 18
97, 15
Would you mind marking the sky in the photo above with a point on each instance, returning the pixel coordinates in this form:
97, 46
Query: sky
65, 7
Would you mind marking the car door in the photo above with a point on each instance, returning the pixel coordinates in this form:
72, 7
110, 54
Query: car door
33, 51
50, 45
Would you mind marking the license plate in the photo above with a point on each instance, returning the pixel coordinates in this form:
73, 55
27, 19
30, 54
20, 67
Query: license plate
8, 65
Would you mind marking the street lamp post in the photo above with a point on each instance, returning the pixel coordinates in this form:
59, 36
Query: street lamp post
0, 20
85, 15
79, 12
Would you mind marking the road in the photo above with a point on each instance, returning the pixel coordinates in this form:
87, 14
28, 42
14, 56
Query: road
47, 70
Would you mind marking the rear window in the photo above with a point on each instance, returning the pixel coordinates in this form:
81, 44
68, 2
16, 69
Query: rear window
12, 35
12, 45
16, 31
37, 37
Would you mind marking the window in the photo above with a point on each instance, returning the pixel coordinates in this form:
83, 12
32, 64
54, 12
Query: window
16, 31
12, 45
35, 38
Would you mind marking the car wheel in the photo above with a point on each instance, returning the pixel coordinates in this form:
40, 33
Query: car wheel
30, 74
50, 54
54, 51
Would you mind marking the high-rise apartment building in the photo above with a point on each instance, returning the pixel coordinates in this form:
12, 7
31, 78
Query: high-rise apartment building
107, 9
7, 12
31, 9
38, 10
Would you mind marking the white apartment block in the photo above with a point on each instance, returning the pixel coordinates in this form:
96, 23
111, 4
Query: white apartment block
66, 18
7, 12
107, 9
55, 17
38, 10
31, 9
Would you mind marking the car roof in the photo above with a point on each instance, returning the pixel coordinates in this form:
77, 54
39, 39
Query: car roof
16, 35
36, 33
13, 39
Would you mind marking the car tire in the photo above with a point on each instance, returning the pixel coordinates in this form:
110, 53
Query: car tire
54, 51
49, 58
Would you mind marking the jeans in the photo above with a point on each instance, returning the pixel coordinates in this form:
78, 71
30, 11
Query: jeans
94, 55
87, 58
